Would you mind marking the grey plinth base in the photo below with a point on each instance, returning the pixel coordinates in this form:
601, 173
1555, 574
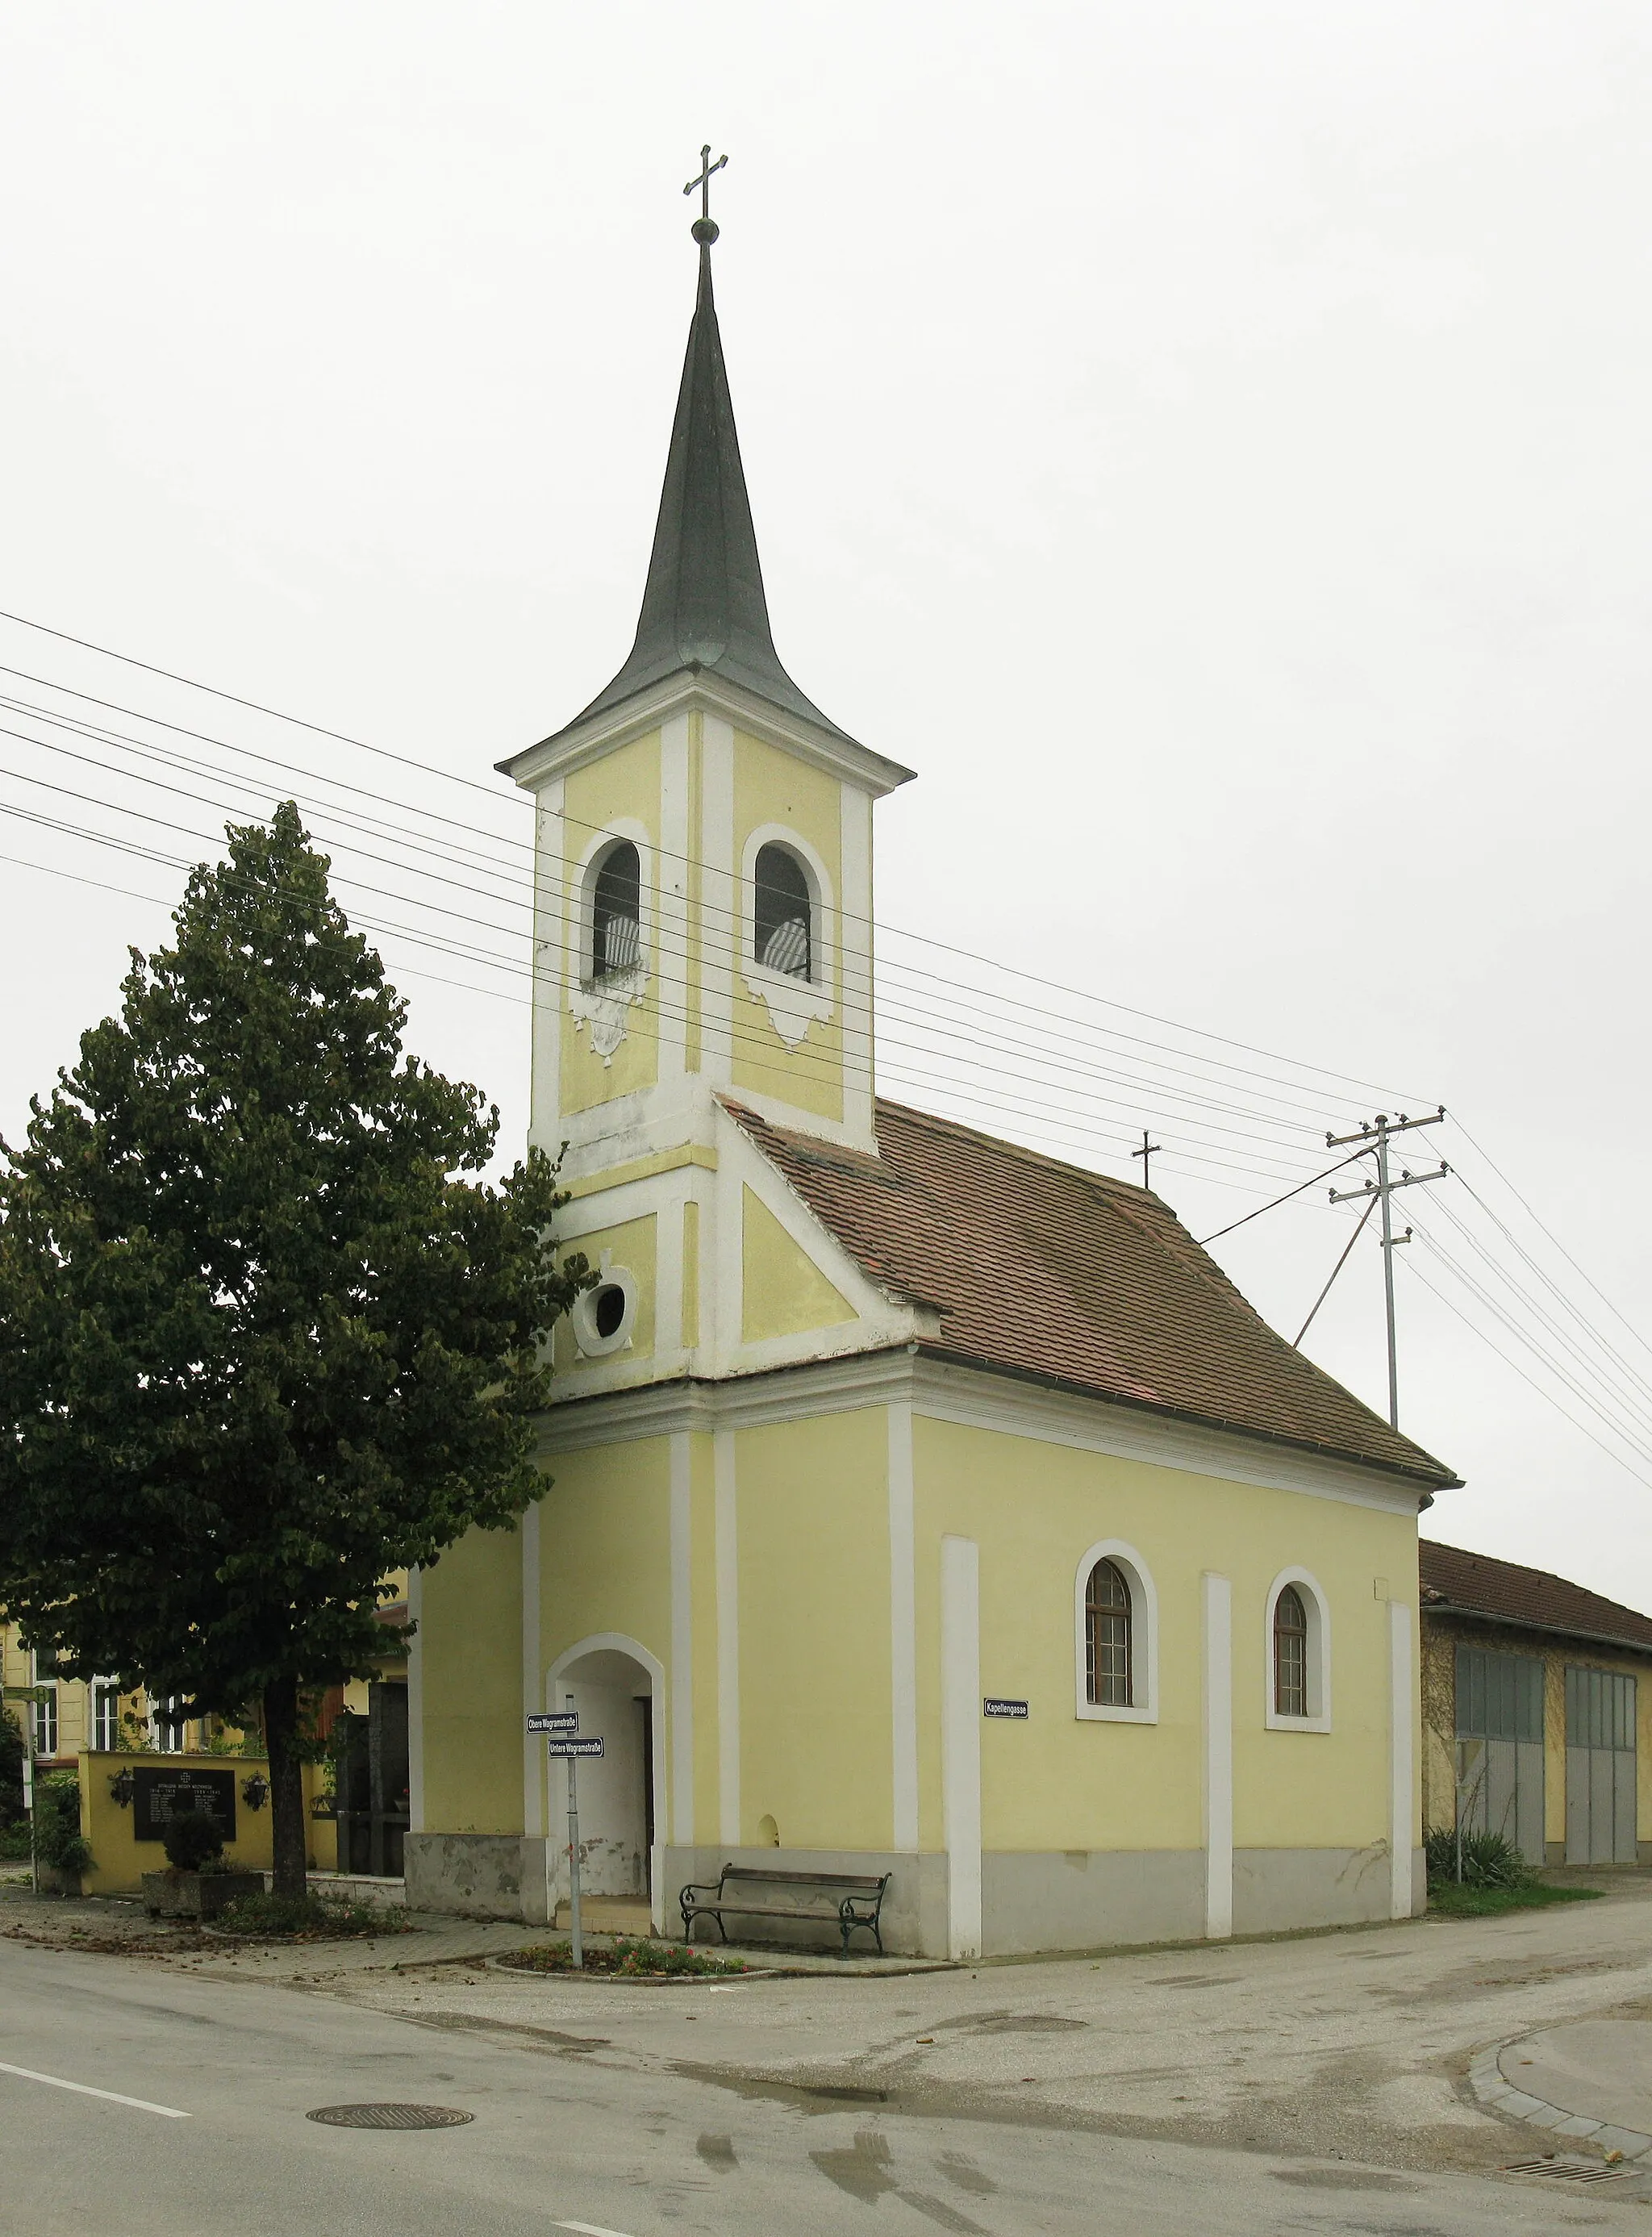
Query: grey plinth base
478, 1875
1031, 1900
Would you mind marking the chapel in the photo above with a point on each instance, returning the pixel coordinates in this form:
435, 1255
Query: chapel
916, 1504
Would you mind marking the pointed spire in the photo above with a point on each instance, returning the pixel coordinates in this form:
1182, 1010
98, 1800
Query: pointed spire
704, 607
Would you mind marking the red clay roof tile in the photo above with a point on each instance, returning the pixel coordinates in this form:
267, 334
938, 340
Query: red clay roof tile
1043, 1269
1476, 1583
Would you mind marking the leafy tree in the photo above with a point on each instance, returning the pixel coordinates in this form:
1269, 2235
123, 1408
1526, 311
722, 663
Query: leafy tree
261, 1339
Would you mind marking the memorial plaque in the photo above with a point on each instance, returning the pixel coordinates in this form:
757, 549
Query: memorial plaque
159, 1795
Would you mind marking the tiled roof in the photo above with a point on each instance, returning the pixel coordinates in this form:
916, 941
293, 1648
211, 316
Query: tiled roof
1042, 1270
1474, 1582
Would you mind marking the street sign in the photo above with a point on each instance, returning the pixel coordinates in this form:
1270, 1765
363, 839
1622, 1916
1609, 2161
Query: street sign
554, 1720
573, 1747
993, 1706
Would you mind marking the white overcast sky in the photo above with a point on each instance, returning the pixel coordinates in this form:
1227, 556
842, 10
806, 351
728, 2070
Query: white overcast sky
1209, 443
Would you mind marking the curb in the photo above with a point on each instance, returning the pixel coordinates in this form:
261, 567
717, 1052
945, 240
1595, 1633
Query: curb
1495, 2091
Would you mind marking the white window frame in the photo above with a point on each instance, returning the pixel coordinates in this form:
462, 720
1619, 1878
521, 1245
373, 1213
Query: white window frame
96, 1692
604, 1005
1318, 1611
792, 1003
48, 1729
167, 1736
1144, 1636
583, 1313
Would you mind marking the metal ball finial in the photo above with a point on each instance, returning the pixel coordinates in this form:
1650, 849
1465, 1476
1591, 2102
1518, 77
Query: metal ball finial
704, 230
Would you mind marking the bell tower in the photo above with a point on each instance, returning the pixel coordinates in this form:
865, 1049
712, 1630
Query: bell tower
703, 854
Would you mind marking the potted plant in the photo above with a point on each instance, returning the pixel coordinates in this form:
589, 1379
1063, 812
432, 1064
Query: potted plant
198, 1882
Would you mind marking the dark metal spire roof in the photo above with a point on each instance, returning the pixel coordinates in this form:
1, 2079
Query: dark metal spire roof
704, 608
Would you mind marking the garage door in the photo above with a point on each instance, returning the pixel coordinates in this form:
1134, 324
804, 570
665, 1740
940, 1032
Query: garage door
1499, 1747
1600, 1767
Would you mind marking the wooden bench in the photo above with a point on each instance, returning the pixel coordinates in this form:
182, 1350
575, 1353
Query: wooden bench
854, 1899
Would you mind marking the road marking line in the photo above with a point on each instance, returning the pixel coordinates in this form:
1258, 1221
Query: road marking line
82, 2090
589, 2229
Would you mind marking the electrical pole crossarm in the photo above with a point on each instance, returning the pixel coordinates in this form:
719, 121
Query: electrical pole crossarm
1384, 1129
1375, 1136
1407, 1180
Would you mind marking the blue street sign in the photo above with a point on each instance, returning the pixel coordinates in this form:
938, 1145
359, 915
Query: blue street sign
995, 1706
554, 1720
574, 1748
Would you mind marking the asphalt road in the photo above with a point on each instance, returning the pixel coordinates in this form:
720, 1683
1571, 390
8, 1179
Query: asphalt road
568, 2134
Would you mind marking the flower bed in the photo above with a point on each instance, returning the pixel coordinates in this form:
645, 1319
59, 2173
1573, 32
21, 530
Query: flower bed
622, 1959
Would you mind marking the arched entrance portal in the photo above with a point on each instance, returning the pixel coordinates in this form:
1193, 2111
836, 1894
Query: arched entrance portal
618, 1687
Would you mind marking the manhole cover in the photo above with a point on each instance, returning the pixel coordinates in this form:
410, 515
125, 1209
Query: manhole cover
1571, 2170
389, 2116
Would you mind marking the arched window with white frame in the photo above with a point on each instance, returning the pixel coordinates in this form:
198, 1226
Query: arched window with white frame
1115, 1643
614, 886
783, 914
1298, 1639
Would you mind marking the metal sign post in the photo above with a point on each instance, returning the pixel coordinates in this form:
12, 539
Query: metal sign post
576, 1938
559, 1726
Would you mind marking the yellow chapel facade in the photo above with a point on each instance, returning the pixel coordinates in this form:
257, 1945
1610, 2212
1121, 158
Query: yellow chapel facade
916, 1504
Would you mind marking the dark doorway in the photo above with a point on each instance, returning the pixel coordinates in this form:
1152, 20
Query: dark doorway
373, 1784
645, 1708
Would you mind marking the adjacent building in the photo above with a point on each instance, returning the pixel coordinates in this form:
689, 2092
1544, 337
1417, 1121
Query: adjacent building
1535, 1724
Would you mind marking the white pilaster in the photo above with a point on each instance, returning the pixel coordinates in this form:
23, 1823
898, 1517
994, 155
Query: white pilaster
415, 1707
722, 1451
682, 1690
673, 914
1402, 1712
549, 911
961, 1741
902, 1630
719, 910
854, 947
1219, 1756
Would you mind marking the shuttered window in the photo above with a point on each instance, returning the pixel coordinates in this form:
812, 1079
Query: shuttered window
1600, 1709
1499, 1697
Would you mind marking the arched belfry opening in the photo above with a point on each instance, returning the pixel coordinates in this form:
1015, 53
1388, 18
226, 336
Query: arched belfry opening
616, 912
782, 919
616, 1688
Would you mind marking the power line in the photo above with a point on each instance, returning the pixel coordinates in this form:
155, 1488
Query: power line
170, 758
1548, 1396
822, 1060
741, 1043
429, 768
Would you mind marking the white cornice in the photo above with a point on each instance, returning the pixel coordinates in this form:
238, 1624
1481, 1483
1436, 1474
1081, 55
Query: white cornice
994, 1403
572, 748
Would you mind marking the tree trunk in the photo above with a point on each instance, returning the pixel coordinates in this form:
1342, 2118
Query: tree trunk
286, 1785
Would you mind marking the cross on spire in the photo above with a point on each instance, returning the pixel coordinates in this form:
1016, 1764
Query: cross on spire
704, 231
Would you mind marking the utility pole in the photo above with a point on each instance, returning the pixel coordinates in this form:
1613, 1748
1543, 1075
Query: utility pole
1148, 1150
1377, 1134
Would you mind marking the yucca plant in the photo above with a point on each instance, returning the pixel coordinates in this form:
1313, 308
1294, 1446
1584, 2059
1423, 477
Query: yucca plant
1474, 1859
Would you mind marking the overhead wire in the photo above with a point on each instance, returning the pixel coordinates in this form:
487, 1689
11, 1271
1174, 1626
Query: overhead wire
449, 776
1041, 1059
541, 885
1089, 1131
989, 995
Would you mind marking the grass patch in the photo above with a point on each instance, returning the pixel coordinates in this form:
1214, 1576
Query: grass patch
310, 1918
623, 1958
1447, 1899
